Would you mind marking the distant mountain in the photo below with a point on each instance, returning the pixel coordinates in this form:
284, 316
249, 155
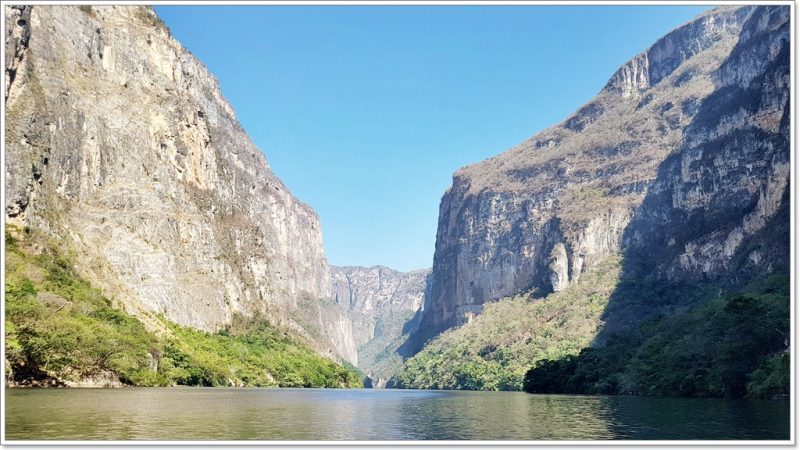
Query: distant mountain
378, 302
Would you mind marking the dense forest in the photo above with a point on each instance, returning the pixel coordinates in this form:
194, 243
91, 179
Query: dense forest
735, 346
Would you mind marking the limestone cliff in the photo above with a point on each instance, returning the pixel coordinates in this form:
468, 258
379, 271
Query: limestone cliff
729, 179
120, 145
683, 156
378, 301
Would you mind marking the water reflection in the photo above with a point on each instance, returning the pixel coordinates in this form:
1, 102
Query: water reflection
322, 414
660, 418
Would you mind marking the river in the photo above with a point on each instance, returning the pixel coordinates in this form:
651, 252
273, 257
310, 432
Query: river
366, 414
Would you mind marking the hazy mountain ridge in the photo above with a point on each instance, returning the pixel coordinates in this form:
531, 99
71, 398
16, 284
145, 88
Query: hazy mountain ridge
378, 301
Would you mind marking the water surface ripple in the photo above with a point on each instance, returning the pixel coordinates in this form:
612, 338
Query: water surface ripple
365, 414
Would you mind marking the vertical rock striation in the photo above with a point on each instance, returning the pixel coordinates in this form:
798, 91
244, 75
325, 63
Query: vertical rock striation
685, 148
120, 144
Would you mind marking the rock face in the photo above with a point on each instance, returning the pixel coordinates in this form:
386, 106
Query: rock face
378, 301
683, 156
729, 180
120, 144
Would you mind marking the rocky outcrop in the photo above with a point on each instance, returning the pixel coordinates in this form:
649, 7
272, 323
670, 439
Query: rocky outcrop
685, 148
378, 301
120, 145
730, 177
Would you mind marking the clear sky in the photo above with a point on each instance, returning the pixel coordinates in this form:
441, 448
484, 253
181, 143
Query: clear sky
366, 111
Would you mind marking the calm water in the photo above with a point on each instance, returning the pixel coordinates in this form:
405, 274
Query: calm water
313, 414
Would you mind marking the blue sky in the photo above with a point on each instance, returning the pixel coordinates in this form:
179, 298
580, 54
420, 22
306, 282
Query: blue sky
366, 111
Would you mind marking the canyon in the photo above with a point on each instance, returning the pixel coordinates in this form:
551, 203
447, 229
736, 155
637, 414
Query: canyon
122, 152
378, 302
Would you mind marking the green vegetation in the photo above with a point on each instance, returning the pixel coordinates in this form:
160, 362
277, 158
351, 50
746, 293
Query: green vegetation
771, 379
59, 329
727, 347
249, 353
494, 350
